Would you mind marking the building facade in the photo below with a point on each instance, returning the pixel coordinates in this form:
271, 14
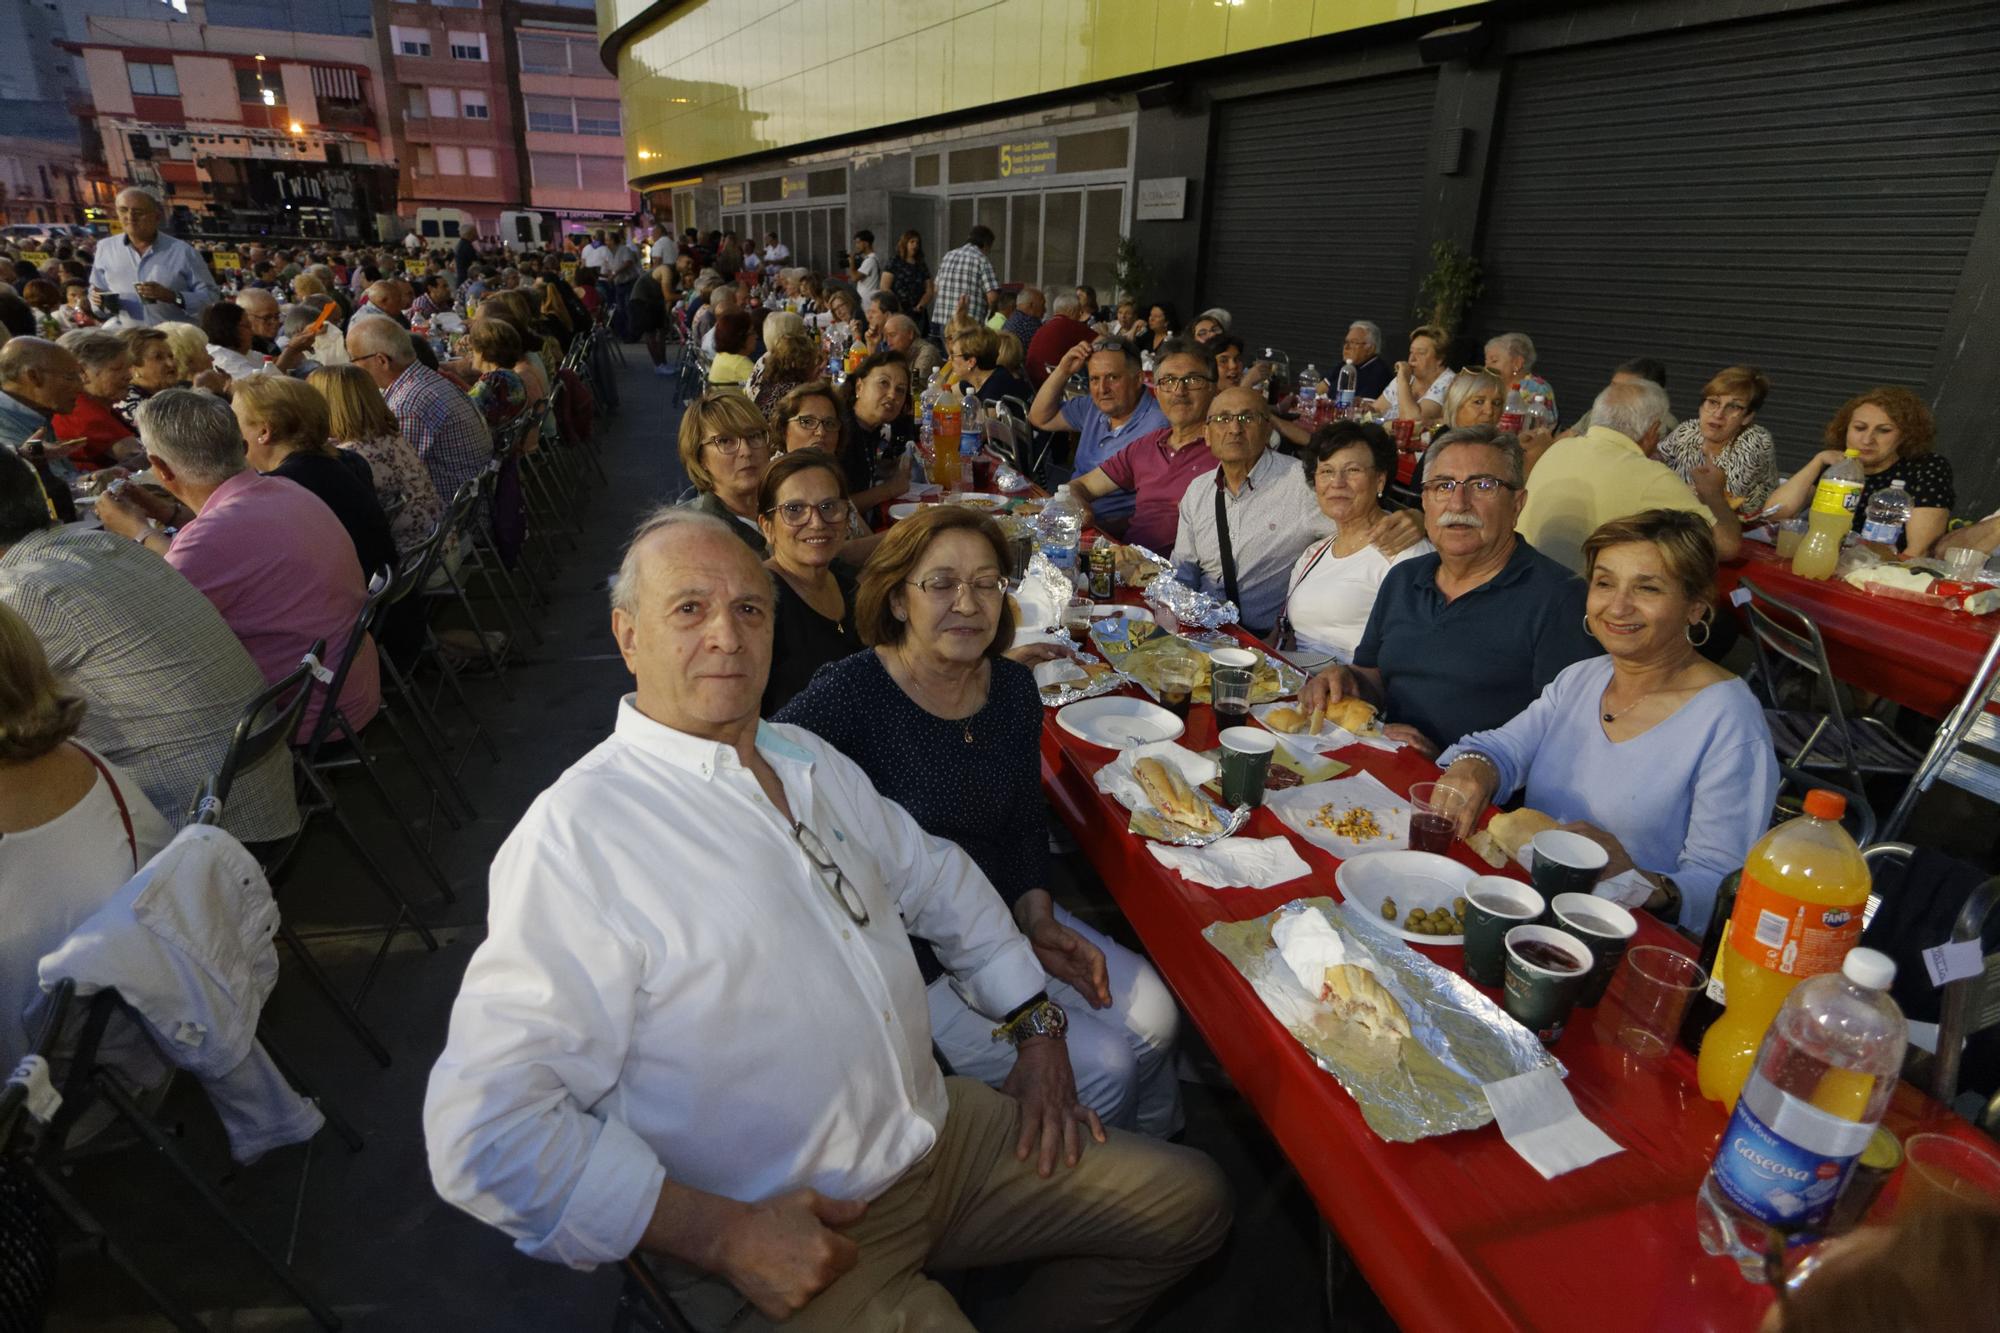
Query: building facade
572, 129
1805, 185
240, 130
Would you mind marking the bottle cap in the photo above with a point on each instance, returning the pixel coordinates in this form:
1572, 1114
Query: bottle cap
1869, 967
1822, 804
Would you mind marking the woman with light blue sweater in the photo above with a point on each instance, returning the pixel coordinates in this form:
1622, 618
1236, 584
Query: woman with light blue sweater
1656, 754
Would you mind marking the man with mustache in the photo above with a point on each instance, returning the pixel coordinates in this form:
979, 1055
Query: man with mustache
1463, 639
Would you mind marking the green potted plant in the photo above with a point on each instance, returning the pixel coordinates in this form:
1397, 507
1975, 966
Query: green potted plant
1449, 289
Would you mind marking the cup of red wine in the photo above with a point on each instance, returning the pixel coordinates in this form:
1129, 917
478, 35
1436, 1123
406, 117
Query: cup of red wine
1434, 811
1231, 673
1546, 968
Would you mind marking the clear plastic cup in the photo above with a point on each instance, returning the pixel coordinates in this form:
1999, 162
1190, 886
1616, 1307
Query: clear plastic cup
1941, 1170
1642, 1011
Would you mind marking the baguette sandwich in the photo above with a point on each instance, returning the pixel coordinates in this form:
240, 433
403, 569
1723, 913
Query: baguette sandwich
1170, 794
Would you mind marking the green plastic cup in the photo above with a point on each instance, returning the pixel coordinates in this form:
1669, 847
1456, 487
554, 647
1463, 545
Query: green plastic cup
1546, 968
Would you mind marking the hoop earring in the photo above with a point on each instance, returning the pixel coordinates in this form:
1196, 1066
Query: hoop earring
1586, 626
1705, 625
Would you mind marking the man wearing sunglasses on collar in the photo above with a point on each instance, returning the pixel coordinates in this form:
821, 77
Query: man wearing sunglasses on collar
1464, 638
696, 1028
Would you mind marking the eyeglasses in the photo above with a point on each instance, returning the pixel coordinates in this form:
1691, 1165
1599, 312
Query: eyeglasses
1172, 382
843, 893
1728, 407
816, 425
795, 513
368, 356
1233, 419
945, 587
731, 445
1347, 474
1481, 484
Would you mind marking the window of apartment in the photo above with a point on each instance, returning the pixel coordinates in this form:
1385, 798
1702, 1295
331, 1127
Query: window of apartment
549, 115
416, 106
444, 102
472, 105
153, 80
544, 55
426, 160
248, 90
450, 160
601, 173
557, 169
481, 162
595, 116
467, 45
410, 41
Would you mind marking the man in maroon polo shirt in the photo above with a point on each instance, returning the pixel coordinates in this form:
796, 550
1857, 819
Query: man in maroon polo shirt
1061, 331
1157, 467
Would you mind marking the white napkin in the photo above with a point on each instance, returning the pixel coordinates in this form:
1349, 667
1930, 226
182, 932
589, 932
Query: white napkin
1058, 671
1250, 863
1628, 889
1116, 781
1296, 807
1539, 1120
1309, 945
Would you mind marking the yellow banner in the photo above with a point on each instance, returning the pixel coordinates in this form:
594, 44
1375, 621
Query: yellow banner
227, 261
417, 267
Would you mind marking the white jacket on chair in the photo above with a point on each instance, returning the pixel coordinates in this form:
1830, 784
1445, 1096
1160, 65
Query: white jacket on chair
188, 945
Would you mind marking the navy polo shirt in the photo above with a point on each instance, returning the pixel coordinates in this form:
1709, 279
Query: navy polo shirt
1453, 668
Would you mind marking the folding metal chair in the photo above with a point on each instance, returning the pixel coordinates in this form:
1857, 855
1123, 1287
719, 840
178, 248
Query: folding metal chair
1823, 737
462, 519
1966, 750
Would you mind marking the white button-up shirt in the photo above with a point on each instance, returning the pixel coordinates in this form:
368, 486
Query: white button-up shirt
1271, 519
669, 989
118, 269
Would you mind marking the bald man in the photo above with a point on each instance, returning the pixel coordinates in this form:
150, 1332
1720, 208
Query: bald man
386, 297
37, 380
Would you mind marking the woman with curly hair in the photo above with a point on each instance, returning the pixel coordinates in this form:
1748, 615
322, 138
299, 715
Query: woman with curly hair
1891, 429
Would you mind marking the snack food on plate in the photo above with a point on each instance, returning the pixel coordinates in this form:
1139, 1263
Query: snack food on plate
1352, 714
1285, 718
1092, 671
1134, 570
1507, 834
1365, 1002
1173, 797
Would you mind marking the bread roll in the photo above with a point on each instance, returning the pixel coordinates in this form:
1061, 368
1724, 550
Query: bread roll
1288, 720
1172, 797
1352, 714
1515, 829
1363, 1001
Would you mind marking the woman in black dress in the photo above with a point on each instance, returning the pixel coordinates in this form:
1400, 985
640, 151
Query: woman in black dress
802, 508
1892, 430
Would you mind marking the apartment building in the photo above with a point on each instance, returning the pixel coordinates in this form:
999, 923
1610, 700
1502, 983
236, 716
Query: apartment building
572, 128
239, 129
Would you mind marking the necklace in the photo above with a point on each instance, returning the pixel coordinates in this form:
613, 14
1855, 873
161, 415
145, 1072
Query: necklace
1613, 717
964, 723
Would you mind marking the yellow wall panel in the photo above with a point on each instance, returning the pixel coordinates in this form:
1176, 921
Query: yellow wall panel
710, 80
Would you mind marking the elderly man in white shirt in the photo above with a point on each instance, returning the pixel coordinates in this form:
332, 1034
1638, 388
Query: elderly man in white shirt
696, 1028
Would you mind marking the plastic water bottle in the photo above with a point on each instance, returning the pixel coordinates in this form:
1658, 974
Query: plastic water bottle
1887, 514
1345, 389
1515, 414
1061, 529
927, 409
1821, 1084
1538, 415
1308, 398
1832, 518
971, 436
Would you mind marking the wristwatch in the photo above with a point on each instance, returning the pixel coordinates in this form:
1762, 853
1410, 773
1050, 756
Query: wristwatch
1040, 1017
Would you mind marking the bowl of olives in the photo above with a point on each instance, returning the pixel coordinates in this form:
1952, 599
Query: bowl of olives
1419, 896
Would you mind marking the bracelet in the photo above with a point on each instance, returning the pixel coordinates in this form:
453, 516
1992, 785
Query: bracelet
1481, 756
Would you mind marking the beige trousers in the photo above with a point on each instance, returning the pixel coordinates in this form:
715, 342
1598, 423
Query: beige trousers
1111, 1233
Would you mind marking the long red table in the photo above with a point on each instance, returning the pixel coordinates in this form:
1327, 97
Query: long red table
1922, 657
1456, 1232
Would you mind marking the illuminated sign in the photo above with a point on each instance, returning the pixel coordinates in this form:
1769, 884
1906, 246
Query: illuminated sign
1036, 157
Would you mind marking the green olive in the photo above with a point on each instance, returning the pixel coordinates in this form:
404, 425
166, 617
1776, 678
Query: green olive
1458, 907
1411, 922
1388, 909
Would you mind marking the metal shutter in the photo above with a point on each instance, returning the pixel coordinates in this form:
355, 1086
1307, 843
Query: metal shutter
1315, 200
1798, 194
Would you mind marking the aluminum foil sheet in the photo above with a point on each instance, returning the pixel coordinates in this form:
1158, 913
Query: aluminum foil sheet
1053, 581
1108, 682
1149, 824
1187, 605
1432, 1083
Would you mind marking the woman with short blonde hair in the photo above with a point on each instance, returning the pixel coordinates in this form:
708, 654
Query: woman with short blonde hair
358, 420
1477, 397
725, 446
284, 425
1725, 434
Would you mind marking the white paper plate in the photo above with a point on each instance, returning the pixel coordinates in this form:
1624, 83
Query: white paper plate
899, 512
988, 501
1119, 722
1412, 879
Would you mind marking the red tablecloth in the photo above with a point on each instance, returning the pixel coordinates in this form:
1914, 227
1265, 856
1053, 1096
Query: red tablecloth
1456, 1232
1920, 656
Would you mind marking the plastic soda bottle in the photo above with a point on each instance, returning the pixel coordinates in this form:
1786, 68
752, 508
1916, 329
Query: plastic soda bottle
944, 440
1798, 912
1515, 414
1831, 519
1345, 388
1308, 397
1822, 1080
971, 436
1887, 514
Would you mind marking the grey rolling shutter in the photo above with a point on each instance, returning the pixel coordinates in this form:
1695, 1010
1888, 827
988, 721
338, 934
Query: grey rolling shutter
1797, 193
1315, 200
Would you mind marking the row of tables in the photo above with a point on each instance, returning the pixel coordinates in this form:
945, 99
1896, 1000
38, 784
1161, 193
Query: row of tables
1458, 1232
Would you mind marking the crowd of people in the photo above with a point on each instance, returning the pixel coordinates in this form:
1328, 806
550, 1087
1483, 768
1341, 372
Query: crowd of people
882, 1051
